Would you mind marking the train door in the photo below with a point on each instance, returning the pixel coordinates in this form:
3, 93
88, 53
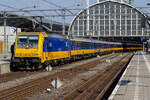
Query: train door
47, 44
68, 43
144, 46
148, 46
45, 50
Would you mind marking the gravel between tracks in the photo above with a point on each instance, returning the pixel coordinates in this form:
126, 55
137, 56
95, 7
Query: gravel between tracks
70, 84
19, 81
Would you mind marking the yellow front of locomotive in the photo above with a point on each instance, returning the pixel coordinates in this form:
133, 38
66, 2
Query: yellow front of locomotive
28, 48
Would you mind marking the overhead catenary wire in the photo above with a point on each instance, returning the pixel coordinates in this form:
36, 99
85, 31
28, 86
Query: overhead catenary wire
51, 3
33, 18
7, 6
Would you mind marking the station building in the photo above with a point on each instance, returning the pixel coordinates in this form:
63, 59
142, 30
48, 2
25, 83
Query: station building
111, 19
10, 37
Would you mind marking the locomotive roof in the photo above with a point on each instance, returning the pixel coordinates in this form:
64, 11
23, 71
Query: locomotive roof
97, 41
55, 35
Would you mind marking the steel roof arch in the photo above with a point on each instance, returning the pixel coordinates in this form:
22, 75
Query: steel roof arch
119, 2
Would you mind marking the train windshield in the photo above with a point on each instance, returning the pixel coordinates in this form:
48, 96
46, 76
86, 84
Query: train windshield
27, 41
22, 39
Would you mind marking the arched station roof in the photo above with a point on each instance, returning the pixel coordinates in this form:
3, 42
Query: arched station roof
110, 18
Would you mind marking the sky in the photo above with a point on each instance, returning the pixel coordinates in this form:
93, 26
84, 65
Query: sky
49, 4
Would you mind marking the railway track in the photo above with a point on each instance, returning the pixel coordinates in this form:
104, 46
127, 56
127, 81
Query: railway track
38, 85
85, 67
95, 88
78, 61
15, 75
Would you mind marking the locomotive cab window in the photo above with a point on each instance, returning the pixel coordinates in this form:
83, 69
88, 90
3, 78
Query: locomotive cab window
27, 41
22, 39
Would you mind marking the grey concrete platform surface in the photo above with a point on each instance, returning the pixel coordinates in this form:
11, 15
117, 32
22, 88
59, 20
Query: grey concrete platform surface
135, 81
4, 66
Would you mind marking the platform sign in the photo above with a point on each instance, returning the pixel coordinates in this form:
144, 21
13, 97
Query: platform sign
13, 30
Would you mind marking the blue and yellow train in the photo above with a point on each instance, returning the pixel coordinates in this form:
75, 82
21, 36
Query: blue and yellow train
37, 49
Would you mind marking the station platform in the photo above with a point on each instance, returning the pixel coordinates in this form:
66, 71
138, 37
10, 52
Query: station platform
4, 65
135, 81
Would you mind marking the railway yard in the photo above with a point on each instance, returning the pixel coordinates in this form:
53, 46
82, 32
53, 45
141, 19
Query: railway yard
74, 50
93, 77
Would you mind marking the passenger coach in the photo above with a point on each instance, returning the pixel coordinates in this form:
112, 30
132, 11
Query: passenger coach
36, 50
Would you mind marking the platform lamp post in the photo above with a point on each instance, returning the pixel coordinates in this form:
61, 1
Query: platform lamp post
88, 17
63, 22
5, 34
